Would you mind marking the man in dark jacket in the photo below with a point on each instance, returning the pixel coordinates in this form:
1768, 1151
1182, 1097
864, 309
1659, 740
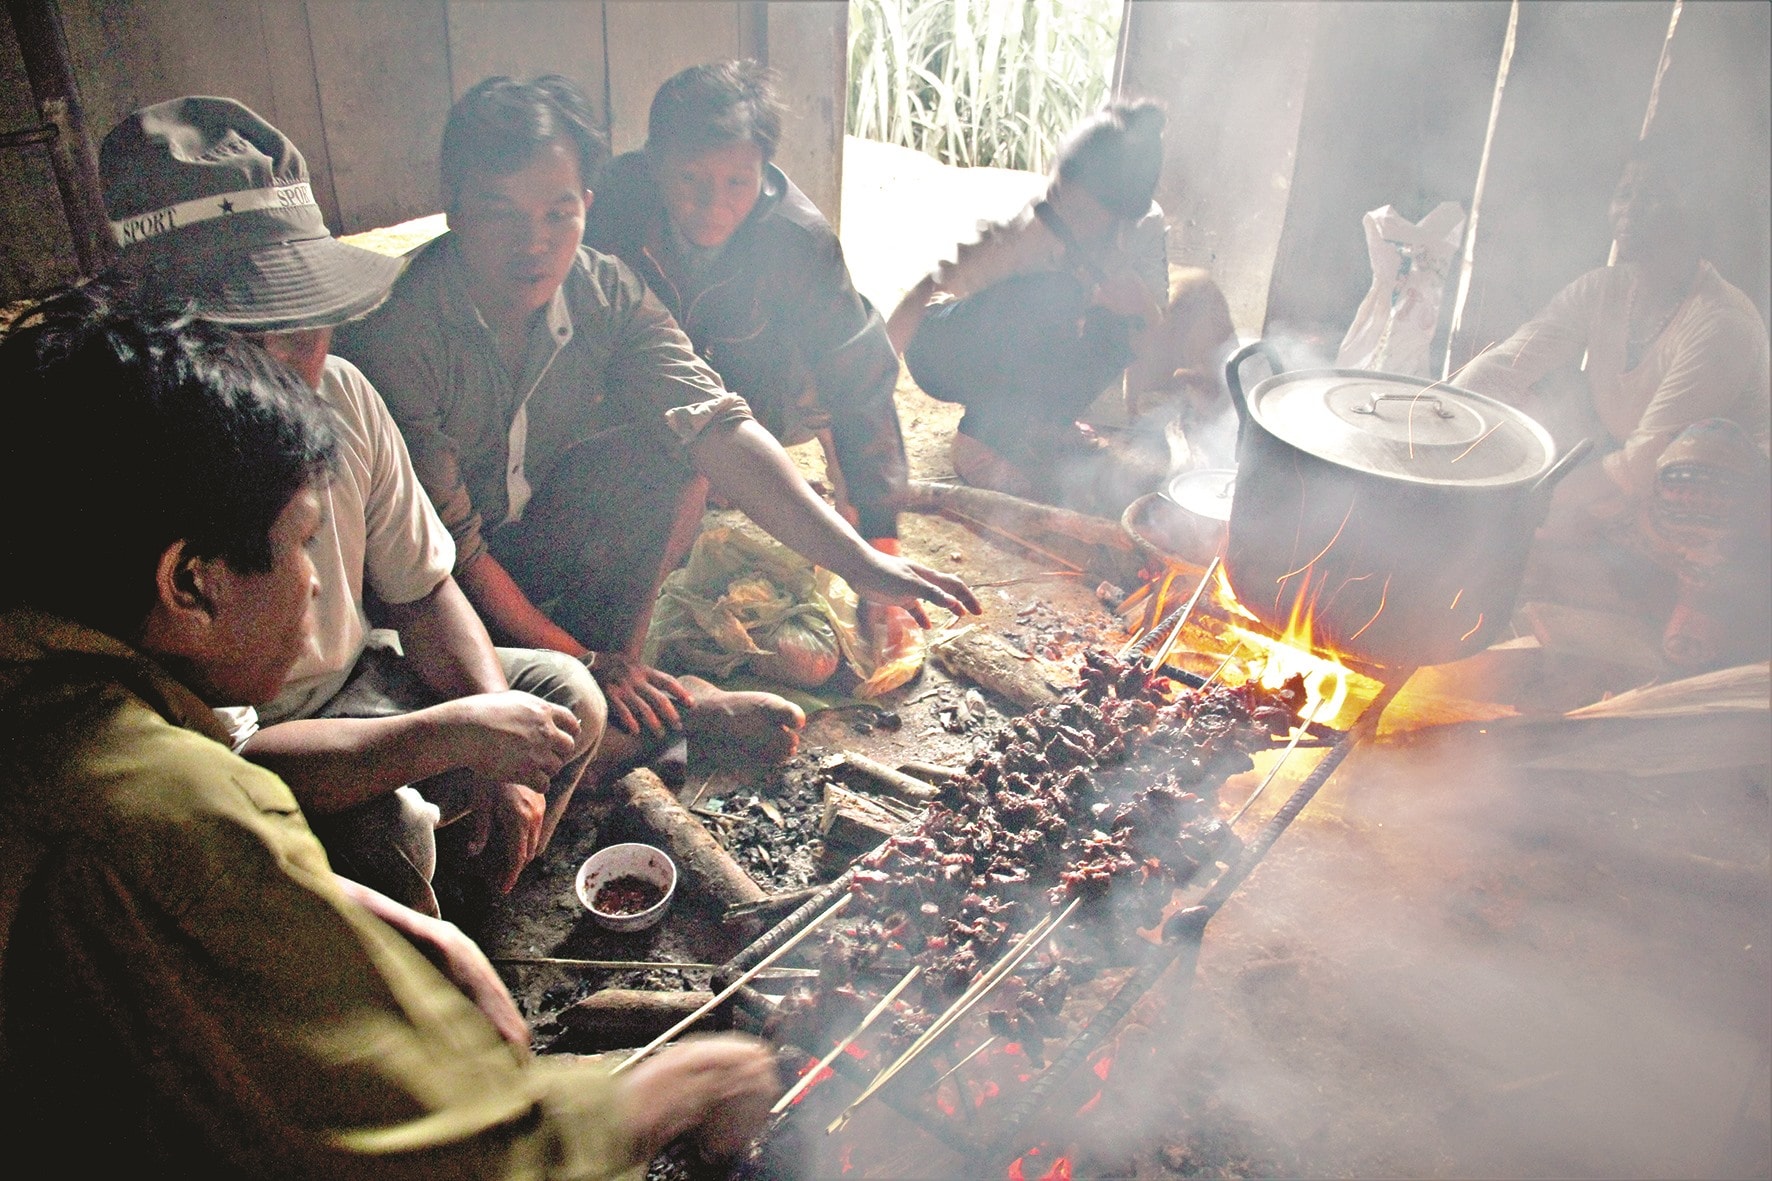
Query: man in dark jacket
756, 278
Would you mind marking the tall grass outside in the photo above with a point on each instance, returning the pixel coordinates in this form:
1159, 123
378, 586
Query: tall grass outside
979, 82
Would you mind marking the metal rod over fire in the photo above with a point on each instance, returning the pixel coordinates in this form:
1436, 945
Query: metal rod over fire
1184, 933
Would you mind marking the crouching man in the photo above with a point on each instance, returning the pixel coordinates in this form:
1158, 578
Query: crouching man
178, 964
569, 434
213, 210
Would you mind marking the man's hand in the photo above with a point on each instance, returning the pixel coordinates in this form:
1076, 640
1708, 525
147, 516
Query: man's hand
898, 582
507, 822
639, 696
719, 1087
513, 737
452, 953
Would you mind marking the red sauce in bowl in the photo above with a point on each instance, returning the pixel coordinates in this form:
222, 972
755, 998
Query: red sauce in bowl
628, 894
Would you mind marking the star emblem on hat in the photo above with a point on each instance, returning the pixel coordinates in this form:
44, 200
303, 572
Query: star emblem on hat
227, 206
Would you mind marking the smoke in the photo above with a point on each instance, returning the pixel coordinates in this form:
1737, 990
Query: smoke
1447, 967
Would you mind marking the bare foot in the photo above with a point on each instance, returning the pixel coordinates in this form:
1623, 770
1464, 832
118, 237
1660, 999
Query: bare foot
757, 725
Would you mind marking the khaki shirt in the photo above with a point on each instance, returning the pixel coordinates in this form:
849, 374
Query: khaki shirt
182, 980
605, 353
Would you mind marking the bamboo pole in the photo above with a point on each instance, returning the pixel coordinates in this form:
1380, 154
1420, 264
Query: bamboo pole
1467, 265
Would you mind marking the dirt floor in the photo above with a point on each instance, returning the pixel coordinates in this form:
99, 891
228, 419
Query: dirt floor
1496, 944
1485, 949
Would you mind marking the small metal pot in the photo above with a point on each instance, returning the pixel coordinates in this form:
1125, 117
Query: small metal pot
1392, 513
1202, 498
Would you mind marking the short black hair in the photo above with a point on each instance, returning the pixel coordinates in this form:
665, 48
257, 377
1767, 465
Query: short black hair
1686, 180
500, 125
715, 105
130, 431
1116, 155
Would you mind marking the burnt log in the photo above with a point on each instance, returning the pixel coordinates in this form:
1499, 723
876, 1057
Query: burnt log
618, 1018
646, 807
1013, 513
933, 772
852, 831
992, 664
906, 787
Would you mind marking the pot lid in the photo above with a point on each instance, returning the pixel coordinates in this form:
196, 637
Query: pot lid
1404, 428
1204, 491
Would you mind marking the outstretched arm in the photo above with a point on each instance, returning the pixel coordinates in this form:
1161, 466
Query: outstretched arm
744, 462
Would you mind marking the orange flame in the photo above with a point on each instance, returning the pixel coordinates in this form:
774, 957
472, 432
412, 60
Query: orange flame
1326, 681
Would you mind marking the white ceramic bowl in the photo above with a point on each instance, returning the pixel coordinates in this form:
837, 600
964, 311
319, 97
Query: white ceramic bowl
617, 861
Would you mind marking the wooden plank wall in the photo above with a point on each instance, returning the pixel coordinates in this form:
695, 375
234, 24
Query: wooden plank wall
362, 86
36, 248
1231, 76
649, 40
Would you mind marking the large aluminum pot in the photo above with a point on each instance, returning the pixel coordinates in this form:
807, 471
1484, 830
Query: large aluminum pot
1392, 513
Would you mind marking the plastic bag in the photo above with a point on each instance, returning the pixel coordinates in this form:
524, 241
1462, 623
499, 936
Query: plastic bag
742, 602
1394, 329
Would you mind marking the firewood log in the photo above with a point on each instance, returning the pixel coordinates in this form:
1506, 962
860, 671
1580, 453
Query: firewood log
709, 871
616, 1018
989, 662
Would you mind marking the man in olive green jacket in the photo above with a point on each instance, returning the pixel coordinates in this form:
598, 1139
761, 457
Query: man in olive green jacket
183, 980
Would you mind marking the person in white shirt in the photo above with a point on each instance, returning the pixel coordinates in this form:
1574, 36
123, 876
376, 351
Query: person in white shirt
384, 736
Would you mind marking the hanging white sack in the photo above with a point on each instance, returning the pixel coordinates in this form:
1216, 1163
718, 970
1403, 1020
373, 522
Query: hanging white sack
1394, 328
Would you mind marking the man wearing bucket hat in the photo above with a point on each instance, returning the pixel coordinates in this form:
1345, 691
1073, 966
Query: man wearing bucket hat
212, 210
181, 976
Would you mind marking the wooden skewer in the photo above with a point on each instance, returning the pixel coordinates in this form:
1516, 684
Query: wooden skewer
1028, 578
959, 1008
1162, 652
1130, 603
973, 1053
720, 996
700, 791
1300, 732
1273, 771
1153, 612
1023, 542
634, 965
805, 1080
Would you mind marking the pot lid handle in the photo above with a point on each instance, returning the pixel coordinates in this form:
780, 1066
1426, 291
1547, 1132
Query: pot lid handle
1546, 483
1371, 407
1233, 372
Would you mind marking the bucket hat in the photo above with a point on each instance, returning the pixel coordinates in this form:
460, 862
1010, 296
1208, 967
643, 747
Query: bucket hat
211, 207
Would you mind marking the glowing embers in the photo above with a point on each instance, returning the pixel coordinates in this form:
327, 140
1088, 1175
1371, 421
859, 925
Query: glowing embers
1035, 1165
